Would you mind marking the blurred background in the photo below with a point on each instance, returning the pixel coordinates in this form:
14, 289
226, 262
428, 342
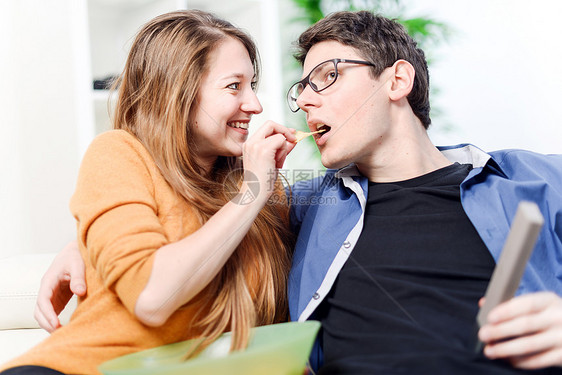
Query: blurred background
494, 69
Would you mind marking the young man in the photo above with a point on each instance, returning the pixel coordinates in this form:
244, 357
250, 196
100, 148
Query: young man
394, 269
395, 265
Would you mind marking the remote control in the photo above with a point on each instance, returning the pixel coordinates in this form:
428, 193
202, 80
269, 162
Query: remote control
516, 252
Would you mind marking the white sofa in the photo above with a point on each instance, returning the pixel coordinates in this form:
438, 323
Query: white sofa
20, 276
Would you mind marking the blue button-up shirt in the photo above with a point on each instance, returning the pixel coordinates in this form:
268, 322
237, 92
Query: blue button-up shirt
327, 214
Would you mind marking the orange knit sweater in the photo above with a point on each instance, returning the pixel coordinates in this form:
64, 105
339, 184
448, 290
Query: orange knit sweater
125, 212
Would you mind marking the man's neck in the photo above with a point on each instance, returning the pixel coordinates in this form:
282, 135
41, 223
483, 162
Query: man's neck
408, 153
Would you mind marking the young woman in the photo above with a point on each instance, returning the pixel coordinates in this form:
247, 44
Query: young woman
178, 238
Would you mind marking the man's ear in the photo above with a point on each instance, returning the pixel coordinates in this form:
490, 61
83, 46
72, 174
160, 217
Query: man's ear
402, 79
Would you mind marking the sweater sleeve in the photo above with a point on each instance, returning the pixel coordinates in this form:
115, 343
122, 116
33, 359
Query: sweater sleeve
116, 210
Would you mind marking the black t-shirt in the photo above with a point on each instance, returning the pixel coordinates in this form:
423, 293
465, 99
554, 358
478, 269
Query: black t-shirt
406, 300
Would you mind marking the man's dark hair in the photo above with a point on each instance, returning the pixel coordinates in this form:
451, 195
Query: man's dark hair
379, 40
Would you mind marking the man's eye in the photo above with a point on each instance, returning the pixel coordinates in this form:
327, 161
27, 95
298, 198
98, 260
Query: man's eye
234, 86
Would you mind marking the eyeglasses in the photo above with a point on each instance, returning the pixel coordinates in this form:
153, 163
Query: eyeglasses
320, 78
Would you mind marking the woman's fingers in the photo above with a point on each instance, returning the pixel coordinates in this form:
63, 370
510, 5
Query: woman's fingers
270, 127
265, 152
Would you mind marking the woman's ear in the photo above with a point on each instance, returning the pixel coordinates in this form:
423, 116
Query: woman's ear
402, 79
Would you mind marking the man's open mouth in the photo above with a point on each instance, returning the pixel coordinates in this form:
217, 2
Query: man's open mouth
324, 127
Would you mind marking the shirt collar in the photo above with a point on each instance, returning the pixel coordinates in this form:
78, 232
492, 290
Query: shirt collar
470, 154
348, 171
463, 154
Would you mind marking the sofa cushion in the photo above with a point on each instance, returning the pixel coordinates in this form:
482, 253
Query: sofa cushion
14, 342
20, 277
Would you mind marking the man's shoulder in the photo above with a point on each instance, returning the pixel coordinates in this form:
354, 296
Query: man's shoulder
513, 160
506, 159
514, 153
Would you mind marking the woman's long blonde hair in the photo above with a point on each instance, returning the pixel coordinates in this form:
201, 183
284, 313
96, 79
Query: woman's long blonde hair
158, 93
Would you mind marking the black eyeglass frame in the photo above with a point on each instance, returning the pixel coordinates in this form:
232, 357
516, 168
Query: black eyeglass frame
306, 80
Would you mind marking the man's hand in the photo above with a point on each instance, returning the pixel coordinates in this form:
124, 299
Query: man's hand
526, 331
64, 278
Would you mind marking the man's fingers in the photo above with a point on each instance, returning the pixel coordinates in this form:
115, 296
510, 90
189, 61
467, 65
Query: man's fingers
45, 315
520, 326
523, 346
538, 360
45, 307
526, 330
46, 324
77, 286
522, 305
77, 277
64, 277
43, 322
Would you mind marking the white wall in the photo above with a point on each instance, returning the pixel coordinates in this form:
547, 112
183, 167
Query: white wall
38, 136
46, 104
499, 77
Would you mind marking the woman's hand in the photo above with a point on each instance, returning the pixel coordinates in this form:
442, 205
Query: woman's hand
264, 153
64, 278
183, 268
526, 331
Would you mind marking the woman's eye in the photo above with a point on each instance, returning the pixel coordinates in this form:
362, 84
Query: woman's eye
254, 86
234, 86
